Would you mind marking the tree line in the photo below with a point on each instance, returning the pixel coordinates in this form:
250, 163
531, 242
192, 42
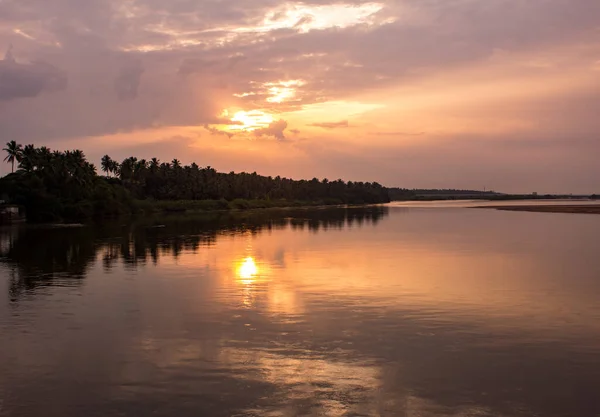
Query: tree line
64, 184
59, 185
173, 181
405, 194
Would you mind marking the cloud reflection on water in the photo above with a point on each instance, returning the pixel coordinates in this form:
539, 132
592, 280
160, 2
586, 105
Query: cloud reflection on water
450, 313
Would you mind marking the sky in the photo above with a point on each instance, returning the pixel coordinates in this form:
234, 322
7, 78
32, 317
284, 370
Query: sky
494, 94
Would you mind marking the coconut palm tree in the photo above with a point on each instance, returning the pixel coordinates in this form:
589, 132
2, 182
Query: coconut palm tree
139, 169
127, 167
78, 157
115, 168
29, 158
154, 165
107, 164
44, 159
15, 151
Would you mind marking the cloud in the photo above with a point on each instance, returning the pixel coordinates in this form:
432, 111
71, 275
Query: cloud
215, 131
150, 64
128, 81
331, 125
398, 133
275, 129
222, 65
28, 80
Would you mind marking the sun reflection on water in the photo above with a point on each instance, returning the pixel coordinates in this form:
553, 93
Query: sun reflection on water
247, 271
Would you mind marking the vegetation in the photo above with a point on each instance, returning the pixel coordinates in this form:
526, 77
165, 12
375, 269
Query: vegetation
14, 150
404, 194
52, 186
172, 181
55, 185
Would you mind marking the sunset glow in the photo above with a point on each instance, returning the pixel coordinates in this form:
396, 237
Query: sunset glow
366, 91
300, 208
250, 120
305, 18
283, 90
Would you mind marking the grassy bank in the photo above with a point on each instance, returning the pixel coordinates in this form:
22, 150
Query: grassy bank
153, 206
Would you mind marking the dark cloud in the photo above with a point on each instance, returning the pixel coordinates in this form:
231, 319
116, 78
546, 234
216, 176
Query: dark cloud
128, 81
331, 125
28, 80
303, 20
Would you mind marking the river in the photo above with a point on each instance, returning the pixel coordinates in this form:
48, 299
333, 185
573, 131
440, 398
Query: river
373, 311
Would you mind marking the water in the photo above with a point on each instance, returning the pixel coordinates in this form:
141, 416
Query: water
385, 311
492, 203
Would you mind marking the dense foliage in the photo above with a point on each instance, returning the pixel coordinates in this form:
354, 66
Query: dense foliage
64, 185
59, 185
404, 194
172, 181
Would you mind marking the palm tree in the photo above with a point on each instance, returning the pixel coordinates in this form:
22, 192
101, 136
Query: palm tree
154, 165
29, 158
127, 167
106, 164
78, 157
44, 159
15, 151
79, 169
115, 168
139, 169
57, 166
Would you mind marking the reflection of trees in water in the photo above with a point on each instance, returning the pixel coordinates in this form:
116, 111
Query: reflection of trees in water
37, 256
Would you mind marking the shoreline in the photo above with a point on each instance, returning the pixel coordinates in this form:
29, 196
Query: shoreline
569, 209
194, 211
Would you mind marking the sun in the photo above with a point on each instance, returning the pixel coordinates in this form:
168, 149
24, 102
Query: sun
247, 270
250, 120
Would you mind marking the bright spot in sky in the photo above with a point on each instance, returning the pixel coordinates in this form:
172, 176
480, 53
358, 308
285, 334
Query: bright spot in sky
25, 35
242, 95
250, 120
283, 90
309, 17
247, 270
335, 110
301, 17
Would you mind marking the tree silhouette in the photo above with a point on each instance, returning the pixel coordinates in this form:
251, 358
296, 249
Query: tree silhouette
173, 181
106, 164
14, 151
52, 185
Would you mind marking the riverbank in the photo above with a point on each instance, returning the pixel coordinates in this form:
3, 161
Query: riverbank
176, 206
576, 209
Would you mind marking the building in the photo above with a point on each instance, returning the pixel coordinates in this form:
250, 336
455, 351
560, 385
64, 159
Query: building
9, 213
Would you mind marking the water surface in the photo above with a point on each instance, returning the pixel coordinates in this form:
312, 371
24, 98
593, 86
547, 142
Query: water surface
380, 311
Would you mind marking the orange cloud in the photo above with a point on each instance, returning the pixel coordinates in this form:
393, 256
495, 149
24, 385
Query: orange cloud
330, 125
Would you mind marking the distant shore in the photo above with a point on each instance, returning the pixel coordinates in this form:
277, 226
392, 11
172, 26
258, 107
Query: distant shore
579, 209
